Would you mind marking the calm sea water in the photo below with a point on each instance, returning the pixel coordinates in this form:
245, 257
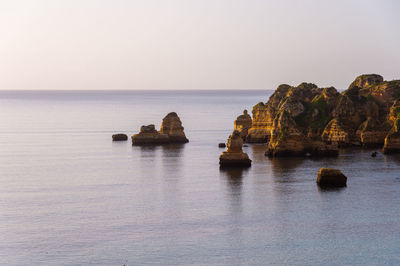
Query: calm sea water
70, 196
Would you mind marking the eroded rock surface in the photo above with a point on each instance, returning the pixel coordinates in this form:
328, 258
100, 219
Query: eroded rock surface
148, 135
243, 124
234, 156
172, 126
307, 120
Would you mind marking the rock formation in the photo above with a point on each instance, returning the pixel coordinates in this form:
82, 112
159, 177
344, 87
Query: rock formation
234, 156
307, 120
148, 135
171, 132
328, 177
119, 137
172, 126
243, 124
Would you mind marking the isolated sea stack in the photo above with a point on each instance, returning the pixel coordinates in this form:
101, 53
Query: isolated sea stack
234, 156
172, 126
307, 120
171, 132
329, 177
243, 124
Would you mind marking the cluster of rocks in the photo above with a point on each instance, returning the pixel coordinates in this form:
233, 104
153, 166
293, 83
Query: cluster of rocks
171, 131
307, 120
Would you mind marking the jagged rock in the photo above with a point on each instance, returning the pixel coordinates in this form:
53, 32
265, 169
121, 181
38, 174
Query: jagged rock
171, 132
243, 124
148, 135
366, 80
328, 177
221, 145
172, 126
234, 156
119, 137
310, 120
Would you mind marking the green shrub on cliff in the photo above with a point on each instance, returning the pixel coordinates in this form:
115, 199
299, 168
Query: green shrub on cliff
315, 115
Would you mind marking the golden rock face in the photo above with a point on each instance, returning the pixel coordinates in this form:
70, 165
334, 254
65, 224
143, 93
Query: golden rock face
310, 120
243, 123
172, 126
171, 132
234, 156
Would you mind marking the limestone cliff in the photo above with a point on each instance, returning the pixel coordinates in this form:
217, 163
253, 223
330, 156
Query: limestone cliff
316, 121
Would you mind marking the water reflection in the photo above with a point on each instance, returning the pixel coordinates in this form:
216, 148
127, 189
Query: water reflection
283, 169
257, 153
234, 178
330, 189
172, 156
234, 181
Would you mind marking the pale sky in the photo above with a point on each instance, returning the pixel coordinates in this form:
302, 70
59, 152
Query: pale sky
195, 44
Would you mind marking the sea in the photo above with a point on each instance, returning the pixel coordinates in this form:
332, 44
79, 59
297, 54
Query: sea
71, 196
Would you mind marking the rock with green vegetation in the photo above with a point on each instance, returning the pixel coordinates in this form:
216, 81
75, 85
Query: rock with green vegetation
308, 120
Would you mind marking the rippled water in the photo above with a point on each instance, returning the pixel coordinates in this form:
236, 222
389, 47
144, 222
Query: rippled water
68, 195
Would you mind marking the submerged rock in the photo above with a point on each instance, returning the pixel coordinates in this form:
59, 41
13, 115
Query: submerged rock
234, 156
172, 126
374, 154
243, 124
329, 177
148, 135
119, 137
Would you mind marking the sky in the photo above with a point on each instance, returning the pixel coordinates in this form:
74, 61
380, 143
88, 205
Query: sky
195, 44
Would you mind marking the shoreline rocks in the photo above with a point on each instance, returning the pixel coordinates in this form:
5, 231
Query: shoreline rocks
329, 177
234, 156
307, 120
171, 131
119, 137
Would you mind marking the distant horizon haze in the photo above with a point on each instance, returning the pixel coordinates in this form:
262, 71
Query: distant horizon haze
195, 45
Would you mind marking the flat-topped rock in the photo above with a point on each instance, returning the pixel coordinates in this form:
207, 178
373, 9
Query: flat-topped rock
234, 156
329, 177
172, 126
119, 137
148, 135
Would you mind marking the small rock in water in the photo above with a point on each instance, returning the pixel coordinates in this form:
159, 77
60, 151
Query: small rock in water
329, 177
119, 137
245, 145
221, 145
374, 154
234, 156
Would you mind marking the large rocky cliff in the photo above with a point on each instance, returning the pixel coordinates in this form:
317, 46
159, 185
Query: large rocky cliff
316, 121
